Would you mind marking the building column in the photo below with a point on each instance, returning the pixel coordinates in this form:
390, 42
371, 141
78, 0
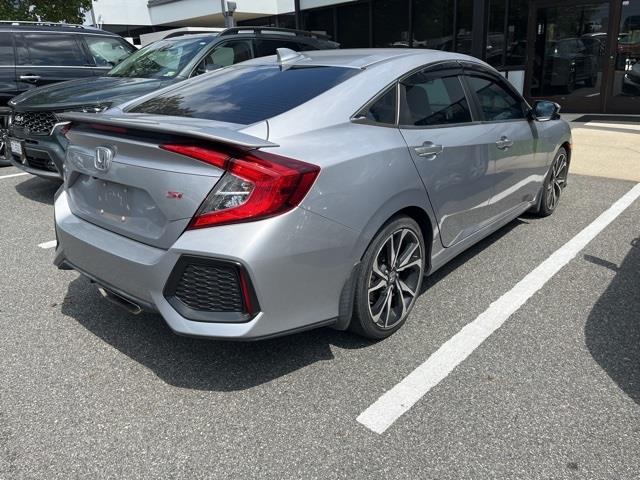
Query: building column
480, 27
296, 7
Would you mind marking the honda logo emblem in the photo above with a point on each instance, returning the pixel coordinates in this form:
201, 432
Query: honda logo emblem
104, 155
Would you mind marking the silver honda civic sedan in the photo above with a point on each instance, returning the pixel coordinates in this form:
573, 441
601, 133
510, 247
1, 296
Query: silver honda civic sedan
302, 190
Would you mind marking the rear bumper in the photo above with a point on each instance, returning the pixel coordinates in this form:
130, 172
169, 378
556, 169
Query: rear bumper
297, 264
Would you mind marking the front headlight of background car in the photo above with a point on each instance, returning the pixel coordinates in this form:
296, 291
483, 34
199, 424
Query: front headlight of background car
99, 108
95, 108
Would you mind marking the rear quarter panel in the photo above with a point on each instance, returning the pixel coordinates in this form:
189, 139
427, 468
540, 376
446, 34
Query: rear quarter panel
367, 176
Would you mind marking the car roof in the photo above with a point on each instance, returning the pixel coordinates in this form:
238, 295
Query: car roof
20, 26
189, 36
362, 57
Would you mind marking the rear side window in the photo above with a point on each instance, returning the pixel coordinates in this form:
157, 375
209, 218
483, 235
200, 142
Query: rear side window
6, 49
496, 102
245, 95
229, 53
107, 51
429, 100
383, 110
265, 47
55, 49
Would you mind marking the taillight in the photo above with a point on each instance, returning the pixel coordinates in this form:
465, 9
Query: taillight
255, 185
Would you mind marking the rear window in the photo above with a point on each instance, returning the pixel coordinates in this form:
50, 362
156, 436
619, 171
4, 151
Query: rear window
246, 95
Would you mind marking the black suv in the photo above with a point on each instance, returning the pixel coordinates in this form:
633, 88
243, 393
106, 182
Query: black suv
33, 54
36, 146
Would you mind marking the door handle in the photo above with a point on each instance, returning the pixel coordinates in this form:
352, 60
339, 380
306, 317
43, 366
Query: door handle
30, 78
429, 150
503, 143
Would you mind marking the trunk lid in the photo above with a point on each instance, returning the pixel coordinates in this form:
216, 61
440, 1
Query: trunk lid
142, 191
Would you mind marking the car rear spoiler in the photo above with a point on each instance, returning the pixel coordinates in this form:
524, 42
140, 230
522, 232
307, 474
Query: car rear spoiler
183, 126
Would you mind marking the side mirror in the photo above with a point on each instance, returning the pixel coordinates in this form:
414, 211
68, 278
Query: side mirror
544, 110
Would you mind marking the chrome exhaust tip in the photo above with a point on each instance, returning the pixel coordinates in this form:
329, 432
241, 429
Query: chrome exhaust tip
119, 300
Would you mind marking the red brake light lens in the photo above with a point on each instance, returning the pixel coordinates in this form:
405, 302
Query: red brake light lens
255, 185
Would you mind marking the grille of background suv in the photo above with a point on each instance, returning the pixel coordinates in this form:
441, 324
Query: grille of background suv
39, 123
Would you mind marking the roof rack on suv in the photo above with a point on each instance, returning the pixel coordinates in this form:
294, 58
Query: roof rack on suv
18, 23
298, 33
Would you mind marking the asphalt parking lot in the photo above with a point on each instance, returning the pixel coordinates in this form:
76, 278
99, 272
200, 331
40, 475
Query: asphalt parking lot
88, 390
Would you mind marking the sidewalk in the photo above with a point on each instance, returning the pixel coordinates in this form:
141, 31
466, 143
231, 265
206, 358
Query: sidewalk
605, 148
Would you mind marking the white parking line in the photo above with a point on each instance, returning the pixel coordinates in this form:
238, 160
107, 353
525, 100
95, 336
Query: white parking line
13, 175
390, 406
49, 244
616, 126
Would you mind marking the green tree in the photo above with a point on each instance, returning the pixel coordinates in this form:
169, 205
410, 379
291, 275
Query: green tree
70, 11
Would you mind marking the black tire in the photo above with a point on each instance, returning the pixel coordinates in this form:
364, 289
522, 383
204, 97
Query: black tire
554, 184
400, 277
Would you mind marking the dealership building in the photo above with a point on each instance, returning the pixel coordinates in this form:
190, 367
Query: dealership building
581, 53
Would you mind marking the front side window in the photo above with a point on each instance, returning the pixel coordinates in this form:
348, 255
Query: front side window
429, 100
164, 59
245, 95
496, 101
53, 49
107, 51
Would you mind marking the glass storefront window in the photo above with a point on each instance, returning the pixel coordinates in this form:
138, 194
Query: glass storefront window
464, 23
391, 23
319, 21
516, 40
353, 25
495, 33
570, 50
433, 24
626, 81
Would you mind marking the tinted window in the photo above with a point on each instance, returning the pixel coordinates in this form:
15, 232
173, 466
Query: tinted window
390, 23
107, 51
230, 53
516, 42
319, 21
496, 102
163, 59
54, 49
353, 25
428, 99
268, 47
6, 49
383, 110
464, 24
433, 24
246, 95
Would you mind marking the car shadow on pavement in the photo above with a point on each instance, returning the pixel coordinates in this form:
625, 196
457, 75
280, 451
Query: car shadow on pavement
38, 189
194, 363
465, 256
219, 365
612, 331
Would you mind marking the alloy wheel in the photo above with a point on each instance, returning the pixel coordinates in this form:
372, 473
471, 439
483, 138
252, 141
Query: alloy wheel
395, 278
557, 181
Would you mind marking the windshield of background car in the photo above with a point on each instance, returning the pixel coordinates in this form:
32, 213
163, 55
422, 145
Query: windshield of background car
163, 59
246, 95
108, 51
